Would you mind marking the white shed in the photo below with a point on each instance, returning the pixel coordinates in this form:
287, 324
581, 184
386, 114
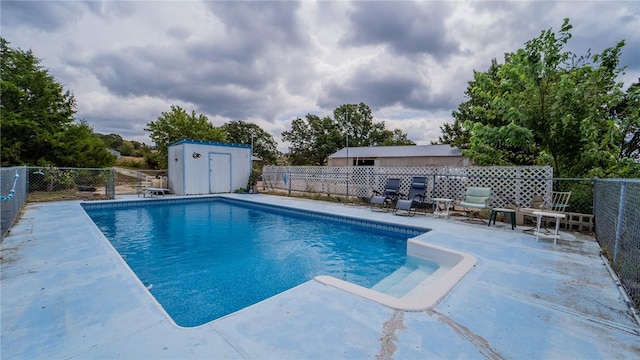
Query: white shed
207, 167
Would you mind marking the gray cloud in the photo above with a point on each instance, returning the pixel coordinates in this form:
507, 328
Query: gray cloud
222, 88
409, 28
226, 74
41, 15
265, 22
53, 16
379, 89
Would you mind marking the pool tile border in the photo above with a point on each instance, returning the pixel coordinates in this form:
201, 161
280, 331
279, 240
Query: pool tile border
411, 231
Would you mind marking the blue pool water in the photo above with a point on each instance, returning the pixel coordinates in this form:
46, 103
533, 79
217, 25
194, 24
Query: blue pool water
203, 260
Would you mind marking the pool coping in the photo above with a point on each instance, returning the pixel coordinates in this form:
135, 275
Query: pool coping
453, 266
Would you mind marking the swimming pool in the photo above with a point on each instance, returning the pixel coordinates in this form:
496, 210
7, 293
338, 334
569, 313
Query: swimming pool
203, 259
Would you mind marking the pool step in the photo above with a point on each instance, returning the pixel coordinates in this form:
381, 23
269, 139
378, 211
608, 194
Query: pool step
402, 280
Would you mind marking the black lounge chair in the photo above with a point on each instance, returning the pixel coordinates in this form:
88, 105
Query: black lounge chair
387, 198
415, 199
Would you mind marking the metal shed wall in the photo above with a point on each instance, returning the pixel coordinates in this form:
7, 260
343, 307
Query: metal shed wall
404, 161
175, 169
201, 167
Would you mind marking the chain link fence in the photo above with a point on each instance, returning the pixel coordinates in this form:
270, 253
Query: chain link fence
59, 183
135, 181
13, 192
36, 184
617, 213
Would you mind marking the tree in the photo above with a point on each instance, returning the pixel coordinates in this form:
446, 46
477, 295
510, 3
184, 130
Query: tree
111, 141
397, 137
264, 145
477, 108
628, 119
544, 105
38, 125
126, 148
313, 140
176, 125
78, 146
356, 120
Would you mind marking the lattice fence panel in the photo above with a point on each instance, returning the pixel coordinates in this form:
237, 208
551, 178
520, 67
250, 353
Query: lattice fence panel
512, 186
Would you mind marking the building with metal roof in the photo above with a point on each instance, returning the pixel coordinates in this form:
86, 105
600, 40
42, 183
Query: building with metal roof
416, 155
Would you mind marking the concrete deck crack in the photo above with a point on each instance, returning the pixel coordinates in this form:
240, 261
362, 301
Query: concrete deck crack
389, 328
581, 316
481, 343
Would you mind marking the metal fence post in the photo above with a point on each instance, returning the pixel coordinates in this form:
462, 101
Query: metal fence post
348, 174
620, 219
110, 186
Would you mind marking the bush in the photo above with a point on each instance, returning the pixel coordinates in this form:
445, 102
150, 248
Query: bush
51, 179
132, 162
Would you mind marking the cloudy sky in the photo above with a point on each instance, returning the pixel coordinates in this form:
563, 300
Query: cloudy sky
269, 62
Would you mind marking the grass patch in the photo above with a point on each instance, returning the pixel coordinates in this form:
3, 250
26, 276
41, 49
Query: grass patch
132, 162
318, 196
62, 195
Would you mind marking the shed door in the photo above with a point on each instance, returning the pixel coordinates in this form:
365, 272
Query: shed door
219, 173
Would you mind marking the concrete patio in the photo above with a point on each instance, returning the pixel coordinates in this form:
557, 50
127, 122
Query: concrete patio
66, 293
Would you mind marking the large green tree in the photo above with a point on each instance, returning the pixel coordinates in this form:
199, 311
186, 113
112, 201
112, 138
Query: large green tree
356, 121
176, 125
37, 117
264, 145
544, 105
314, 139
78, 146
125, 147
628, 118
477, 107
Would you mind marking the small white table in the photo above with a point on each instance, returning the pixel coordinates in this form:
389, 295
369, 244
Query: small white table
555, 236
447, 204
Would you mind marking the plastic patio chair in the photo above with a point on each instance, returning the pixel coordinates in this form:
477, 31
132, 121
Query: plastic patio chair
558, 202
476, 199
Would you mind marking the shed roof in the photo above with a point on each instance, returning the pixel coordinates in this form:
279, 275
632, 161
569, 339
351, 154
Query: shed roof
398, 151
206, 142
